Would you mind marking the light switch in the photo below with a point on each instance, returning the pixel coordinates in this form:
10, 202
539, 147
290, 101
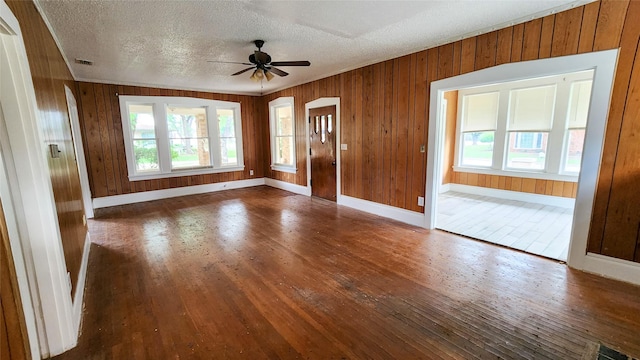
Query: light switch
55, 152
343, 146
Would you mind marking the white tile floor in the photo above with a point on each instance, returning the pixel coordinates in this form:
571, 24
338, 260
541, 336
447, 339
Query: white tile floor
535, 228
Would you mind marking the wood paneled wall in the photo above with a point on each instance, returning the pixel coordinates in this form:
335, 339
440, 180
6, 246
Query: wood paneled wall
527, 185
101, 126
448, 153
14, 340
50, 74
384, 113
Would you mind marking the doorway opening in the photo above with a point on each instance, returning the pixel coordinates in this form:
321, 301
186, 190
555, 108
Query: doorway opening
511, 161
603, 65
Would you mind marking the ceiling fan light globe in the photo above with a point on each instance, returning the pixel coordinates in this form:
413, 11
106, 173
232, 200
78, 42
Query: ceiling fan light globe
268, 75
259, 74
255, 76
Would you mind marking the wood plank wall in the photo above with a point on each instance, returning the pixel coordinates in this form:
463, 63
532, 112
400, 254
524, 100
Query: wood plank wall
527, 185
101, 127
384, 113
449, 151
50, 73
14, 340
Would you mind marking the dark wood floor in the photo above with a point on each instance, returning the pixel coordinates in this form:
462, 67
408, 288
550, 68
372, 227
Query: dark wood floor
264, 274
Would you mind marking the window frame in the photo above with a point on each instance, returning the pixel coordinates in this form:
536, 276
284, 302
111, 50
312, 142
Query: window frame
557, 140
281, 102
159, 105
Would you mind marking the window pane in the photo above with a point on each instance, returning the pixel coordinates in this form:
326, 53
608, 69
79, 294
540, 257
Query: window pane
574, 150
141, 121
284, 146
329, 123
188, 137
198, 156
527, 150
480, 112
228, 151
226, 123
284, 123
532, 108
477, 148
579, 103
323, 129
146, 153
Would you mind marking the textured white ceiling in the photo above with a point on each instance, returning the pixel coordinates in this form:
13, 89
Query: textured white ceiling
167, 43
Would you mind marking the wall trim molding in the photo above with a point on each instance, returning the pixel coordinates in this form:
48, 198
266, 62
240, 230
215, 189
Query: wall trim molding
78, 298
391, 212
283, 185
137, 197
612, 268
567, 203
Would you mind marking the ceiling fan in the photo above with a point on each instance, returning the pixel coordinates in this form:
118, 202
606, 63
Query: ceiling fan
262, 65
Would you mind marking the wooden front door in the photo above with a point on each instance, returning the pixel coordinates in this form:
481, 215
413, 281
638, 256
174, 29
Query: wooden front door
322, 131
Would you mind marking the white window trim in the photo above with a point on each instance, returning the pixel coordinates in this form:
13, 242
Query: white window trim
554, 167
273, 105
159, 104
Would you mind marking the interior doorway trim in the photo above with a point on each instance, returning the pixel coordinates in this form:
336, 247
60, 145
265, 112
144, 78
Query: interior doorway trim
30, 188
72, 106
604, 63
321, 102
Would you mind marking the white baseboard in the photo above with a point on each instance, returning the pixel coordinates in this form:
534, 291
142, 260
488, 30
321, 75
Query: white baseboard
391, 212
132, 198
444, 188
283, 185
612, 268
78, 298
564, 202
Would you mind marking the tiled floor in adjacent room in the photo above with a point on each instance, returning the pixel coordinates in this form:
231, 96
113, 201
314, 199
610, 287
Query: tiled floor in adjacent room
535, 228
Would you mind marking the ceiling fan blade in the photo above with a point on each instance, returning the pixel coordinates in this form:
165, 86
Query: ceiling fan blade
228, 62
290, 63
242, 71
278, 71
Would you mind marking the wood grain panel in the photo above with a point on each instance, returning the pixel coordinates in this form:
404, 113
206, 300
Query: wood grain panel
627, 62
14, 340
101, 126
520, 184
50, 74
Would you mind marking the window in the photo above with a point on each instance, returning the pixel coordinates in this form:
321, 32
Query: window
283, 140
174, 136
535, 126
480, 117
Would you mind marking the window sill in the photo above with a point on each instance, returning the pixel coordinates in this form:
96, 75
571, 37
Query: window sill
186, 172
283, 168
516, 173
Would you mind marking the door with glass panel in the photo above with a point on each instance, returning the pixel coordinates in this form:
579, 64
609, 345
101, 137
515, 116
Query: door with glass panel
322, 134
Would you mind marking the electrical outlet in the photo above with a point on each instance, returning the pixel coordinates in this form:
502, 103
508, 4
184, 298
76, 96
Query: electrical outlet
251, 172
421, 148
343, 146
420, 201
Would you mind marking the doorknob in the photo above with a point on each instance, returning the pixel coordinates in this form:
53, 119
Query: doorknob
333, 163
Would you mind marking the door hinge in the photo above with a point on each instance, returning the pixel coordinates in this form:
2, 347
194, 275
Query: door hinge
309, 119
309, 151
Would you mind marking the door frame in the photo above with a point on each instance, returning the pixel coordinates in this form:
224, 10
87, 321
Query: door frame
604, 63
322, 102
29, 187
78, 147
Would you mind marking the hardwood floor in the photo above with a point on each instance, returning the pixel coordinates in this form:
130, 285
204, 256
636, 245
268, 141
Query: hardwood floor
261, 273
534, 228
